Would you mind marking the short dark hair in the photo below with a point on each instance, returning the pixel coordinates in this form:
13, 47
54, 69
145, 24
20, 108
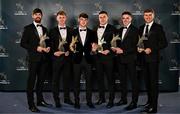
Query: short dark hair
126, 13
103, 12
150, 10
37, 10
84, 15
61, 13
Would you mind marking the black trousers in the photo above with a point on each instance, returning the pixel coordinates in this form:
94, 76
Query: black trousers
36, 77
107, 68
128, 70
151, 73
77, 70
61, 67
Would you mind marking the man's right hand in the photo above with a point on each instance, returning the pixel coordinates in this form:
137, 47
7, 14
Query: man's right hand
40, 49
140, 50
94, 47
58, 53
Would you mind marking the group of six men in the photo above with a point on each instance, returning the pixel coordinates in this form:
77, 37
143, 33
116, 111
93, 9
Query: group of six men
76, 50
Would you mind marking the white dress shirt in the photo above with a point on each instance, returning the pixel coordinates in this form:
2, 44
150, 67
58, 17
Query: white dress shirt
63, 32
83, 35
124, 31
149, 27
100, 32
39, 28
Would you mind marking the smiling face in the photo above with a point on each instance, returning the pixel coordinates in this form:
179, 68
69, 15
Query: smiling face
61, 19
82, 22
126, 19
103, 19
37, 17
148, 17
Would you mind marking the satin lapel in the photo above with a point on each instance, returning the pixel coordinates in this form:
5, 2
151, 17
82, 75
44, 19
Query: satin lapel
126, 32
78, 35
59, 35
35, 30
87, 36
67, 37
106, 30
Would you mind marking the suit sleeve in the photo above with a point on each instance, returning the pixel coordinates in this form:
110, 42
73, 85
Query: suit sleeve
52, 41
162, 39
25, 40
162, 42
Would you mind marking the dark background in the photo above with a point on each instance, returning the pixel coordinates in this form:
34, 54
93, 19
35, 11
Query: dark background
17, 13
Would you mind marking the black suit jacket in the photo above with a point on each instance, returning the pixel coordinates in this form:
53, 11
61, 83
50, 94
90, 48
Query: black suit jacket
55, 35
128, 44
156, 41
86, 49
108, 35
30, 41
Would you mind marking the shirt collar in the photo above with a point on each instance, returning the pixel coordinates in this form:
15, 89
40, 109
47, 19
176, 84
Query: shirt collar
36, 23
61, 26
150, 24
82, 28
128, 25
104, 25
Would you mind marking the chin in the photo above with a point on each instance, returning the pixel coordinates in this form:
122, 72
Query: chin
38, 21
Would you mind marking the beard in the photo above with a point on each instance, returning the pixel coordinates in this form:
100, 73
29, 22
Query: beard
37, 20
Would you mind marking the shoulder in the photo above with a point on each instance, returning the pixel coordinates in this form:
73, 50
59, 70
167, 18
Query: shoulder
109, 26
134, 28
158, 25
29, 26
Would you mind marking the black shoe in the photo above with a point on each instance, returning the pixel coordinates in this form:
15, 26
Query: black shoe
110, 105
77, 105
121, 102
43, 103
58, 104
100, 101
150, 110
147, 105
90, 105
131, 106
68, 101
34, 109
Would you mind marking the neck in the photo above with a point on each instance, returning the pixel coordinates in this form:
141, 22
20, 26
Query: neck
83, 27
62, 25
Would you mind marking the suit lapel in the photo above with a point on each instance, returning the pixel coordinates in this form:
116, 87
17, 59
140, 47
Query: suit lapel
68, 31
78, 35
151, 29
87, 36
106, 30
59, 35
126, 33
35, 30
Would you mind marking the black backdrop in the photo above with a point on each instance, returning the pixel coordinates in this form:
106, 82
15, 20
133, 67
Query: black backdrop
15, 14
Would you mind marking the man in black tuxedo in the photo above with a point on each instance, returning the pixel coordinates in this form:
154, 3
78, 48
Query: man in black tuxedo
37, 58
61, 38
126, 51
104, 58
156, 40
82, 59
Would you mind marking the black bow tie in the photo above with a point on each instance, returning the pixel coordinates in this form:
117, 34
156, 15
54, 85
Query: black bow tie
124, 27
82, 30
39, 25
62, 28
101, 27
